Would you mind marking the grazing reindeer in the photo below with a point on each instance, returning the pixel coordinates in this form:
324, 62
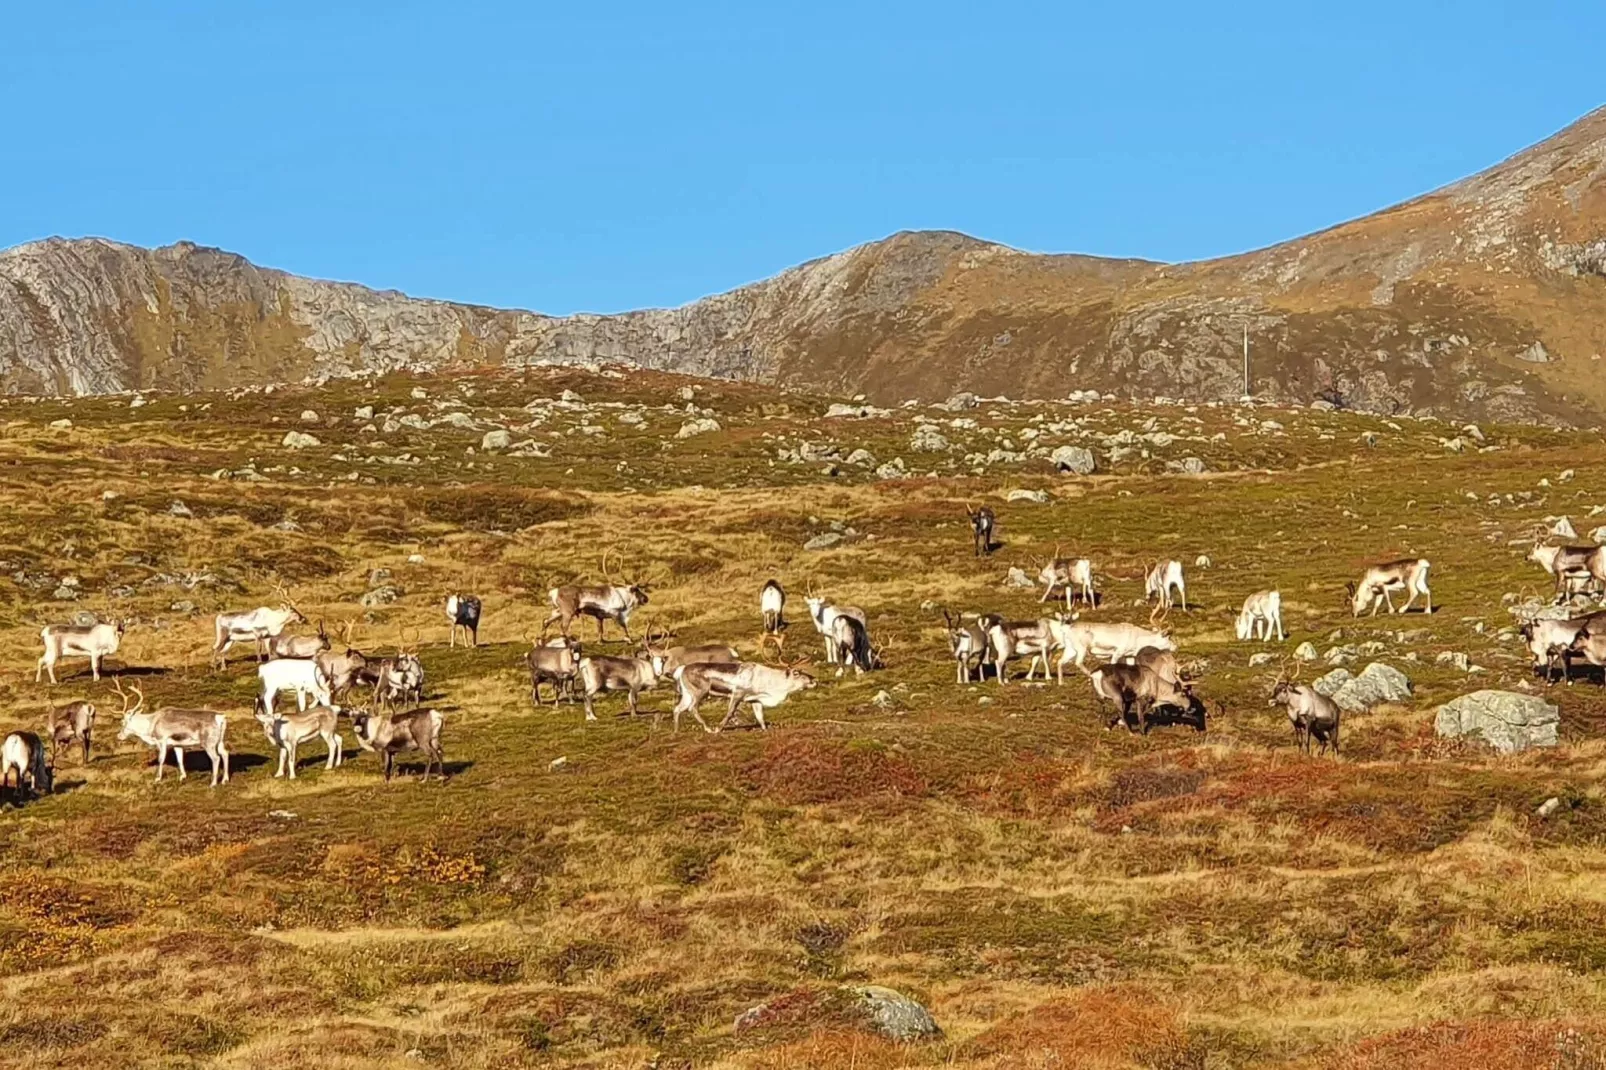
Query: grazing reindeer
1135, 688
1589, 644
1079, 640
556, 662
760, 686
1261, 614
613, 602
1162, 579
982, 523
1379, 581
24, 753
1017, 638
598, 673
1550, 641
852, 641
177, 729
75, 720
1571, 564
96, 642
256, 626
399, 679
287, 730
463, 610
665, 660
1163, 663
772, 604
298, 646
342, 671
968, 643
391, 734
1074, 575
823, 614
1310, 713
292, 674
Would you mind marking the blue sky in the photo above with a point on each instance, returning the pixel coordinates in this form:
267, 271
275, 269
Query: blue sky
605, 156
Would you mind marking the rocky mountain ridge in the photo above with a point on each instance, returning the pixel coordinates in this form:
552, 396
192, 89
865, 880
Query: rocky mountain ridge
1484, 300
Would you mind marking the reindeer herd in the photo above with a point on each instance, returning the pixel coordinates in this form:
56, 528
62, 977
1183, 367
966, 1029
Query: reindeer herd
1131, 667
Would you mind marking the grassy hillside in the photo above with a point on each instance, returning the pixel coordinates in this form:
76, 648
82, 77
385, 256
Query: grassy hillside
1057, 895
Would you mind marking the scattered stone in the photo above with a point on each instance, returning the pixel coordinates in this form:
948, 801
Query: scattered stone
1455, 658
1202, 561
1017, 578
893, 469
861, 456
1535, 354
896, 1016
419, 393
1077, 460
282, 815
839, 410
1509, 722
824, 540
882, 700
961, 401
557, 764
1193, 466
1262, 658
180, 509
379, 596
1022, 495
701, 426
308, 416
65, 593
1548, 807
927, 439
1377, 683
687, 393
61, 425
183, 605
1305, 651
363, 412
1563, 529
299, 440
498, 439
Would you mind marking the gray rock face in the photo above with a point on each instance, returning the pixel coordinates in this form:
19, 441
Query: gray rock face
1507, 720
1378, 683
299, 440
1331, 682
1023, 495
927, 439
824, 540
1077, 460
701, 426
498, 439
1305, 651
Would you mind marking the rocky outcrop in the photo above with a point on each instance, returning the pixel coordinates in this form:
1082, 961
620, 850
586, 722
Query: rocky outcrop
1391, 313
1507, 720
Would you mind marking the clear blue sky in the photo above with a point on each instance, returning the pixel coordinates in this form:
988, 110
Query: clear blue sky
602, 156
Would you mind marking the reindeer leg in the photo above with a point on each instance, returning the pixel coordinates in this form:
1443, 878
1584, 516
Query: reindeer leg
590, 713
758, 715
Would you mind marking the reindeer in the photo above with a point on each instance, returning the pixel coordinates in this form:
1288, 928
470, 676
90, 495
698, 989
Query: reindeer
823, 613
1311, 713
398, 679
1011, 639
75, 720
96, 642
300, 675
256, 625
177, 729
345, 670
852, 641
968, 643
1074, 575
665, 660
982, 522
1379, 581
24, 753
773, 604
391, 734
555, 662
598, 673
1590, 645
287, 730
463, 610
1078, 640
1140, 689
1162, 579
298, 646
613, 602
1550, 641
1261, 614
760, 686
1570, 564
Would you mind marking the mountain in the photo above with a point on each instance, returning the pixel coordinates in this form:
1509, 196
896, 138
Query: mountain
1483, 300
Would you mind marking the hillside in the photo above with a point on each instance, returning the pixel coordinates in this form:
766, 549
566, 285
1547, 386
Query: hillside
1484, 300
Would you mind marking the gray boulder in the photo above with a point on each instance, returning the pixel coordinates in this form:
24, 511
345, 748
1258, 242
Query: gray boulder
960, 401
299, 440
1377, 683
896, 1016
498, 439
1023, 495
927, 439
1077, 460
701, 426
824, 540
1305, 651
1331, 682
1507, 721
893, 469
1017, 578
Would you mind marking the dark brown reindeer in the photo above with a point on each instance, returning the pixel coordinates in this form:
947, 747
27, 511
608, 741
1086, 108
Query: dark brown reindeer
982, 524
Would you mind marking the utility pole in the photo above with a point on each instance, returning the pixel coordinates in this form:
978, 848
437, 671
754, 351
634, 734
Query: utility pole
1246, 360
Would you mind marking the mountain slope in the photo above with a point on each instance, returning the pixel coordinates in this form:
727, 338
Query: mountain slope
1486, 299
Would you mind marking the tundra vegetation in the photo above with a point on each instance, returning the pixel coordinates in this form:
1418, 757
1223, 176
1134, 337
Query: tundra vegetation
605, 895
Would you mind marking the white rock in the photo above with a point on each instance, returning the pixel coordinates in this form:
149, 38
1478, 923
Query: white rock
308, 416
701, 426
497, 439
299, 440
1023, 495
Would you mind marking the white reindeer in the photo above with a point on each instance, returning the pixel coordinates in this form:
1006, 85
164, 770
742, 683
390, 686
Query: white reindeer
1262, 613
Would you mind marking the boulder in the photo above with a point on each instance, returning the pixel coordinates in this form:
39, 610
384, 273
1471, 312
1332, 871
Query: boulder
700, 426
1077, 460
299, 440
870, 1008
1017, 578
498, 439
861, 456
838, 409
308, 416
1305, 651
1330, 683
824, 541
960, 401
61, 425
1022, 495
896, 1016
927, 439
1262, 658
893, 469
1193, 466
379, 596
1507, 721
1376, 684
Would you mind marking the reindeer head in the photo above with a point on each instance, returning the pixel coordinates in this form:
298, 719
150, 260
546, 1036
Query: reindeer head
800, 680
128, 714
1352, 591
1284, 684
